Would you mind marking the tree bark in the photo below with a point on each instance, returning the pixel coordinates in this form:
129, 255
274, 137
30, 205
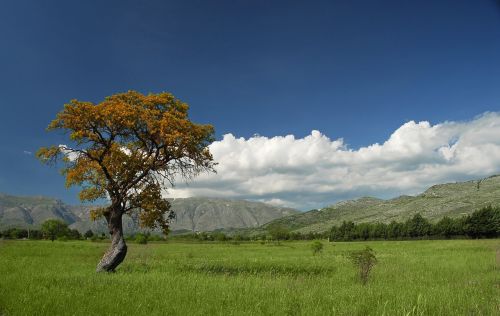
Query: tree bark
118, 249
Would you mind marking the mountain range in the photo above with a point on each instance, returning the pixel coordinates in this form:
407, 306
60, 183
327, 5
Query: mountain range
450, 199
192, 214
208, 214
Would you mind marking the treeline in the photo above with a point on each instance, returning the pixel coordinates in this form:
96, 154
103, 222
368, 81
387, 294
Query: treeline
276, 233
57, 230
483, 223
38, 234
52, 229
210, 236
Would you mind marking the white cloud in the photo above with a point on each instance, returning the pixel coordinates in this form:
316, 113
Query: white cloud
72, 156
315, 171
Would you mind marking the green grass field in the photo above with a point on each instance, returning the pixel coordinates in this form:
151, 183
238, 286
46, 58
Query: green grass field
456, 277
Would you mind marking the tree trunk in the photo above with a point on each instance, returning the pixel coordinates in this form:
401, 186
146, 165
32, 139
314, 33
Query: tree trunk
118, 249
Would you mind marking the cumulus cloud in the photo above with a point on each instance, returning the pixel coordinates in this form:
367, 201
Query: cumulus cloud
315, 171
71, 155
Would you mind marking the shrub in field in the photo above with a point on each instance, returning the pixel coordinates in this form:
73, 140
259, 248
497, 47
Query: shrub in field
141, 239
317, 247
364, 260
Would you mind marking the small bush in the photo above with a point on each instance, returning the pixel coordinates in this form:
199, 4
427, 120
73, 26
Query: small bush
317, 247
141, 239
364, 260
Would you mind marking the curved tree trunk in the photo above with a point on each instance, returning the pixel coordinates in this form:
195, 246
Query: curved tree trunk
118, 249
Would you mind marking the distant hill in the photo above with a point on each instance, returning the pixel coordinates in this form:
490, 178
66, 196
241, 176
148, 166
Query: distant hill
31, 211
193, 214
451, 199
208, 214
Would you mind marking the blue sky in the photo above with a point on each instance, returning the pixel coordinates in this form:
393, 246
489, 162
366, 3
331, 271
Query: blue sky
356, 70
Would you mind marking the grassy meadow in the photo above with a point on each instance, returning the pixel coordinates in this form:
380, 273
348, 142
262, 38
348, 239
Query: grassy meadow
453, 277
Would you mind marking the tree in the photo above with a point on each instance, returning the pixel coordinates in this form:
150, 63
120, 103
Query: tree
18, 233
378, 230
346, 231
53, 228
418, 226
445, 227
484, 222
74, 234
394, 230
363, 231
125, 149
88, 234
278, 232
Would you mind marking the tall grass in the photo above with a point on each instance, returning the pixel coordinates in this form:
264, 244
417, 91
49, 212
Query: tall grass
456, 277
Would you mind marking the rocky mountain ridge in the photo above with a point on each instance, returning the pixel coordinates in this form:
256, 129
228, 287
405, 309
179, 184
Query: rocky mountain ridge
192, 214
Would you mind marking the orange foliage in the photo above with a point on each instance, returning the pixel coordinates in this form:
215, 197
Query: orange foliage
126, 147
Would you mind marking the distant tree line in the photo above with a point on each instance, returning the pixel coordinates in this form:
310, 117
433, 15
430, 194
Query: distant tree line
210, 236
273, 233
483, 223
51, 229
